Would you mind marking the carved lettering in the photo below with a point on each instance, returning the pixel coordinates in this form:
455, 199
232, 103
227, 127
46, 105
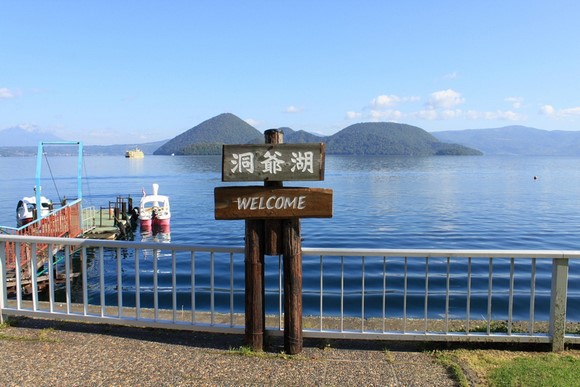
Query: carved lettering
272, 202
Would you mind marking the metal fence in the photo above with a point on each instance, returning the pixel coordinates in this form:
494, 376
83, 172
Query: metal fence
411, 295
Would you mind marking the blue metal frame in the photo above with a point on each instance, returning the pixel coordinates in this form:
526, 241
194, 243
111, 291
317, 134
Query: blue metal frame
37, 188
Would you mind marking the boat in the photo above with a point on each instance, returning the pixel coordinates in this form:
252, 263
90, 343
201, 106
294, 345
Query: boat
154, 212
134, 153
26, 209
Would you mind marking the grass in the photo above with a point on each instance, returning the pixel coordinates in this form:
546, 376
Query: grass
546, 370
388, 355
513, 368
453, 368
43, 335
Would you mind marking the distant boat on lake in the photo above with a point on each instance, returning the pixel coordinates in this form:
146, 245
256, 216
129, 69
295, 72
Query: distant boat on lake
135, 153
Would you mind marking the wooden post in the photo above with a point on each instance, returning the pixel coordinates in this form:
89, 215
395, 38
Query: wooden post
273, 228
254, 298
292, 286
272, 214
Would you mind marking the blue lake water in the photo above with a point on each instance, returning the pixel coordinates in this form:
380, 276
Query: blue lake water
484, 202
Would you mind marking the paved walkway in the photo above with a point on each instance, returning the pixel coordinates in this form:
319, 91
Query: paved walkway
49, 353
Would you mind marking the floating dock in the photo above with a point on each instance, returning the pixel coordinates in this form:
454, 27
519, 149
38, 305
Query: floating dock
114, 221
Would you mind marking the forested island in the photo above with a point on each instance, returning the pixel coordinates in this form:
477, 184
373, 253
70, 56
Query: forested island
371, 138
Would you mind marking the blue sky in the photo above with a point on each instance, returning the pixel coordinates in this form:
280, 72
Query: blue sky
110, 72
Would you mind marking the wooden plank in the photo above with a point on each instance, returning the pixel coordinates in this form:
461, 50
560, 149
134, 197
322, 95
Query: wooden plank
255, 202
273, 162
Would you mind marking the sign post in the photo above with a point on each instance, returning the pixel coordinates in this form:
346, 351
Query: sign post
272, 219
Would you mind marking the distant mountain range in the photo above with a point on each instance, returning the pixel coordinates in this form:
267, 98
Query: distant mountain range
24, 136
516, 140
88, 150
371, 138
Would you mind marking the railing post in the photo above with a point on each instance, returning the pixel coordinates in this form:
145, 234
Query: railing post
558, 298
3, 247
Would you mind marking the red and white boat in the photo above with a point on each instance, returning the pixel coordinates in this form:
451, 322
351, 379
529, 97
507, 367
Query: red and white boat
154, 212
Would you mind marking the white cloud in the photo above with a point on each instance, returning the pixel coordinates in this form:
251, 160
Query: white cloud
392, 115
252, 122
292, 109
452, 75
510, 116
517, 102
353, 115
427, 114
449, 114
31, 128
5, 93
547, 110
441, 105
550, 111
385, 101
445, 99
493, 116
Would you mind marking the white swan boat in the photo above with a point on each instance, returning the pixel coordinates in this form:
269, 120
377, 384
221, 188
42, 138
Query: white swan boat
154, 212
26, 209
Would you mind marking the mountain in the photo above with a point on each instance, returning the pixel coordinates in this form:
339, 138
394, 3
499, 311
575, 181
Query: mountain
120, 149
516, 140
25, 135
301, 137
209, 136
371, 138
389, 138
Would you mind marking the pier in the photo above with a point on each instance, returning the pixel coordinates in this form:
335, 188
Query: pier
69, 221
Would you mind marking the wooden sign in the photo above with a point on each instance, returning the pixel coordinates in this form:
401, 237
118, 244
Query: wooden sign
273, 162
255, 202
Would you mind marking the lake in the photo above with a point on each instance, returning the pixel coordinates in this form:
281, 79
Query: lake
485, 202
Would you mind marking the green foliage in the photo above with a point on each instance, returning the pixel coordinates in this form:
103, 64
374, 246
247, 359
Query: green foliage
453, 368
388, 138
301, 137
202, 149
547, 370
444, 149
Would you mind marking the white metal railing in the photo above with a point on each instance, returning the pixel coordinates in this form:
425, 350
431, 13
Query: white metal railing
427, 295
89, 218
449, 295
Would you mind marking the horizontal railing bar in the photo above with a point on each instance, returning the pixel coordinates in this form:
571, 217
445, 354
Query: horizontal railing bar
121, 244
458, 253
429, 336
418, 253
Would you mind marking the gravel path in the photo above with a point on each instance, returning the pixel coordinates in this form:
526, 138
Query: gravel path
51, 353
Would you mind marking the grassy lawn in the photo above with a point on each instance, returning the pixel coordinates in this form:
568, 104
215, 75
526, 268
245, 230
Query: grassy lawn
514, 368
